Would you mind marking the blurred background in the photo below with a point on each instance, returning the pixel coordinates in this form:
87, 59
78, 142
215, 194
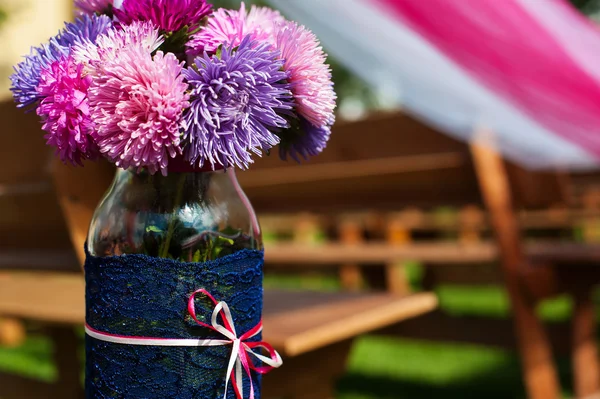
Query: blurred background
463, 165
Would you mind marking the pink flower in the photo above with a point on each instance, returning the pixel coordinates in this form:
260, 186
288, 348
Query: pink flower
230, 27
309, 75
108, 46
65, 111
89, 7
137, 105
265, 19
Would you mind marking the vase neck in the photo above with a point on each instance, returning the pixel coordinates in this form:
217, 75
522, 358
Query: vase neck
180, 165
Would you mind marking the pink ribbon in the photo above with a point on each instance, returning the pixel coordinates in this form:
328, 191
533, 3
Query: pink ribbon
240, 361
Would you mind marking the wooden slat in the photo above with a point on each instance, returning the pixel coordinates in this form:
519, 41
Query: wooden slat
541, 219
351, 169
329, 321
295, 322
52, 260
334, 254
46, 297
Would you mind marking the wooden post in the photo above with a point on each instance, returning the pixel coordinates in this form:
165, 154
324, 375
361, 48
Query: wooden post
398, 233
538, 367
586, 369
471, 221
351, 232
12, 332
591, 226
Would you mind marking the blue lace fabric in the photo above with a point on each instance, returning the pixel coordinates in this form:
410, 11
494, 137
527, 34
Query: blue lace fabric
138, 295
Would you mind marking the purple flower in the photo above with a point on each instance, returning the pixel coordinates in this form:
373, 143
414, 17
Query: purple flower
303, 140
26, 77
236, 105
90, 7
85, 28
137, 106
168, 15
65, 111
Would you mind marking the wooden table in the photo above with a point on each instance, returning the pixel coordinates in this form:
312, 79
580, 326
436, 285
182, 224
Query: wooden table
313, 331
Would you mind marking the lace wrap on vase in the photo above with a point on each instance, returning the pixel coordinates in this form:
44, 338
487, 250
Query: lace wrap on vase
138, 295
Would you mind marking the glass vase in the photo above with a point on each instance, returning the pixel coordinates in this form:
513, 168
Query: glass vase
191, 217
154, 242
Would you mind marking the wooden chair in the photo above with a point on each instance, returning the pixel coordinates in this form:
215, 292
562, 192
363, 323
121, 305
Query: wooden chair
391, 162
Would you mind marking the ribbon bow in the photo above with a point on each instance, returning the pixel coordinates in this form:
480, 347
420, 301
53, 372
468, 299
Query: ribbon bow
241, 349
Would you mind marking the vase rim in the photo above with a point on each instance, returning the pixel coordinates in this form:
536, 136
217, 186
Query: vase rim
181, 165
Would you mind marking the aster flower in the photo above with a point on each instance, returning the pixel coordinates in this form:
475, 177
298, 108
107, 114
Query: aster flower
168, 15
137, 107
107, 47
236, 105
90, 7
266, 19
87, 27
303, 140
26, 77
65, 111
309, 75
27, 74
231, 26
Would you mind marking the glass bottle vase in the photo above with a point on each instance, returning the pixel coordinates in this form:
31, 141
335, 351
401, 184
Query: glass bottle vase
191, 217
153, 243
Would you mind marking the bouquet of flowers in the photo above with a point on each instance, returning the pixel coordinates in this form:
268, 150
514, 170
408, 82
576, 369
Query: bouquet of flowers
148, 82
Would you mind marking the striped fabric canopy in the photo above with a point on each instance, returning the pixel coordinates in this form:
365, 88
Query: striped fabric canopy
528, 70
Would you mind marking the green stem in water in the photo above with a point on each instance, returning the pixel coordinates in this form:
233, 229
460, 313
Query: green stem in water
176, 205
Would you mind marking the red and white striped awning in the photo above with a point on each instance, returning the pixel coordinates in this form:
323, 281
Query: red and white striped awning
528, 70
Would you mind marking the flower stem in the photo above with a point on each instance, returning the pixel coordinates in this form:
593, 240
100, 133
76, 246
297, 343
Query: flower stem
176, 205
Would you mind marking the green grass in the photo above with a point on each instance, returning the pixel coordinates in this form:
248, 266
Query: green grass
32, 360
386, 368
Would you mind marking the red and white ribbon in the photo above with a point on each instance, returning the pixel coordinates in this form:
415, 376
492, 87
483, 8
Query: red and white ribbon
242, 351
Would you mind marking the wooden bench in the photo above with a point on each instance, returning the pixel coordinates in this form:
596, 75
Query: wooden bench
55, 299
313, 332
392, 162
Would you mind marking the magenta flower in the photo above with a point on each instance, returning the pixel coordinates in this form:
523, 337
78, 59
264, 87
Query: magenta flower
231, 26
89, 7
65, 111
309, 75
137, 105
168, 15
